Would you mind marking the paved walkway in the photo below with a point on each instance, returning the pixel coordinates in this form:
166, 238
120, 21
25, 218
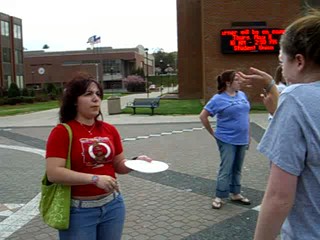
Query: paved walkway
174, 204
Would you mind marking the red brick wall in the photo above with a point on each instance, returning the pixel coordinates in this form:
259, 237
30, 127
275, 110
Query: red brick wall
189, 49
57, 72
217, 15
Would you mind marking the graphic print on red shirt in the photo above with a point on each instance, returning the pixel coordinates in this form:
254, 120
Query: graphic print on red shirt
96, 151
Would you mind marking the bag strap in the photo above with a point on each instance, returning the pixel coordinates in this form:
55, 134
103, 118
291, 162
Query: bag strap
68, 163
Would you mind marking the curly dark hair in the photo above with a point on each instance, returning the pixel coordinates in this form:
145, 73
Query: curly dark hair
75, 88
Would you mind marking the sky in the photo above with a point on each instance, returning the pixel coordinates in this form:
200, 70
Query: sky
67, 24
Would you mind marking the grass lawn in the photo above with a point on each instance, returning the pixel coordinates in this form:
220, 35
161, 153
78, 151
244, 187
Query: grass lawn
258, 108
7, 110
171, 107
183, 107
167, 107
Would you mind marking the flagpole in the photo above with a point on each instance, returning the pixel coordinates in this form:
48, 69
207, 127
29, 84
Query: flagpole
97, 72
92, 41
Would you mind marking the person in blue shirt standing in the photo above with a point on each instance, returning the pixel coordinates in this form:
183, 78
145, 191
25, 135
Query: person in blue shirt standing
231, 107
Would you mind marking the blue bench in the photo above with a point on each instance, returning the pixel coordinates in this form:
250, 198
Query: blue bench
144, 103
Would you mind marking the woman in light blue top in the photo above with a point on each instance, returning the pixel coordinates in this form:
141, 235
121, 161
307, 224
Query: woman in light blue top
231, 107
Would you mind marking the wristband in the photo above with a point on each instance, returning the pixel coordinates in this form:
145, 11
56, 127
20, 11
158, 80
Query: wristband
95, 179
268, 88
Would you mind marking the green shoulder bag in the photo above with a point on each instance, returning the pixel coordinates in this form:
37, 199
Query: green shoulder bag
55, 199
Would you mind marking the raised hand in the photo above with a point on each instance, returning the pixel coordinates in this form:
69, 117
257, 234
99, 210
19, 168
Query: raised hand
255, 77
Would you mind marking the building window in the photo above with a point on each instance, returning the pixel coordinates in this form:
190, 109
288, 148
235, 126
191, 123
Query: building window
71, 63
17, 31
19, 81
90, 61
112, 66
18, 56
6, 56
4, 28
7, 81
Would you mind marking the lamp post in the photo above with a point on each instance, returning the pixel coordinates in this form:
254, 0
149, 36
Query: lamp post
161, 63
112, 84
32, 72
169, 71
97, 72
111, 73
147, 85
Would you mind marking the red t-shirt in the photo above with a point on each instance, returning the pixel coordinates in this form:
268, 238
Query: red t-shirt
91, 153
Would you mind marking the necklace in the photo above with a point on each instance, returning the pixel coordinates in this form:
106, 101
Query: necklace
90, 130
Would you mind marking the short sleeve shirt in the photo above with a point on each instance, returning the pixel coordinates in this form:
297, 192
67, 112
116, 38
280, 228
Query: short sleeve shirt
232, 117
292, 142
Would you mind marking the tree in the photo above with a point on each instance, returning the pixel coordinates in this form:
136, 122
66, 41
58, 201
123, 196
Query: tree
45, 46
139, 71
163, 59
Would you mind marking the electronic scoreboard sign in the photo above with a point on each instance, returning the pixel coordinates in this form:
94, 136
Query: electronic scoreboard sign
250, 40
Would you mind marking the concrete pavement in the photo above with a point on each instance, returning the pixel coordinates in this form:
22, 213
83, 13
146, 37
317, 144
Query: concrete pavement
174, 204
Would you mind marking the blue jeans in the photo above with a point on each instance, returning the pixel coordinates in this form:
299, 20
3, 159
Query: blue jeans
229, 176
97, 223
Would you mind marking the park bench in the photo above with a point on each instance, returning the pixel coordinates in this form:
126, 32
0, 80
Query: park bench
144, 103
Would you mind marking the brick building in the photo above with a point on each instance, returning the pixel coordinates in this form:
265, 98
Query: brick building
200, 57
110, 66
36, 68
11, 51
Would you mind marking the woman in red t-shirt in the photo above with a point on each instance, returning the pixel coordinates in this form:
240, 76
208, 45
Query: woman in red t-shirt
97, 208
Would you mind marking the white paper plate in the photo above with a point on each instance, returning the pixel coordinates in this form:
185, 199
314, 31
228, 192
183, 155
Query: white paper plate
147, 167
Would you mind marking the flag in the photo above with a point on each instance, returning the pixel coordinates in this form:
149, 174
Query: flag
91, 39
97, 39
94, 39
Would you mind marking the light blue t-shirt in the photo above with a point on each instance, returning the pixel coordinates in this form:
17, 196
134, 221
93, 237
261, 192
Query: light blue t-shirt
292, 142
232, 117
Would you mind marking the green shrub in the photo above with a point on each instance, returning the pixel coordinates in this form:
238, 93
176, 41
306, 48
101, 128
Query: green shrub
51, 88
59, 90
14, 91
41, 98
25, 92
15, 100
28, 99
32, 93
3, 101
164, 80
